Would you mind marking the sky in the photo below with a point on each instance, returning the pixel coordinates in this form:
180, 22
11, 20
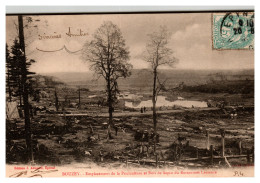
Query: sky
191, 40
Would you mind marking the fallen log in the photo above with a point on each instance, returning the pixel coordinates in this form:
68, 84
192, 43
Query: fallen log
227, 162
151, 162
186, 160
214, 157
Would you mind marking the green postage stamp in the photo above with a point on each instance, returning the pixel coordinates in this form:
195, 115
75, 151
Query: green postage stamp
233, 30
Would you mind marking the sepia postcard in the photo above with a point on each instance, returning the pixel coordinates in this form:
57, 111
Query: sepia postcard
130, 94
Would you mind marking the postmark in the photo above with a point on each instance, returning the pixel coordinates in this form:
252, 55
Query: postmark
233, 30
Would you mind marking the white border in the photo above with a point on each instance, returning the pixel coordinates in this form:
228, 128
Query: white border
110, 9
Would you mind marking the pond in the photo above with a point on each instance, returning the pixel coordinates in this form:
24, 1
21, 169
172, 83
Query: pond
162, 102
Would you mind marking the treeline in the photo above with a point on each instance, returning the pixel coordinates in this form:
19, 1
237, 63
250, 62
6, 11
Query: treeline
231, 87
14, 72
41, 81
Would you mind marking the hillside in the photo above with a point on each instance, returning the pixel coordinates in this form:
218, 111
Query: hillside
142, 78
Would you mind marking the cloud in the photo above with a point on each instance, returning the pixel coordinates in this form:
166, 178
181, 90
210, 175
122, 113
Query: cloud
193, 47
191, 40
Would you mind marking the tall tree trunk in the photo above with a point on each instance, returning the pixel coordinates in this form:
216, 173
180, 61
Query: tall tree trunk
20, 91
20, 99
25, 92
79, 98
9, 87
110, 108
154, 107
56, 100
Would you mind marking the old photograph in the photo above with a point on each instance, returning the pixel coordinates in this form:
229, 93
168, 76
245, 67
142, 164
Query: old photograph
130, 95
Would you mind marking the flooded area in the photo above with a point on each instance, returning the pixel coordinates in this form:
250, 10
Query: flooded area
162, 102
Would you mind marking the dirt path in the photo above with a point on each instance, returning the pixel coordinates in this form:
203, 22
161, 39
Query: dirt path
138, 114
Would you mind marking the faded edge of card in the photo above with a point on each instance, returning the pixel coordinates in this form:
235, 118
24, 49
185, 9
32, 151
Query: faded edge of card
83, 171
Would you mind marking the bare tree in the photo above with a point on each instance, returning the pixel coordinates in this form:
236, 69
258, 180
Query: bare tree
56, 100
108, 57
158, 53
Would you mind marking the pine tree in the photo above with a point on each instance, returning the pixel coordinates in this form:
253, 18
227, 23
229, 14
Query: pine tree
8, 73
14, 72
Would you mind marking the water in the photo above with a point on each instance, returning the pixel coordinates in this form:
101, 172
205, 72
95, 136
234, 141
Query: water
92, 96
162, 102
127, 95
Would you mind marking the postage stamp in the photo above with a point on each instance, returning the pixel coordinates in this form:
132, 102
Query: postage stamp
233, 30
